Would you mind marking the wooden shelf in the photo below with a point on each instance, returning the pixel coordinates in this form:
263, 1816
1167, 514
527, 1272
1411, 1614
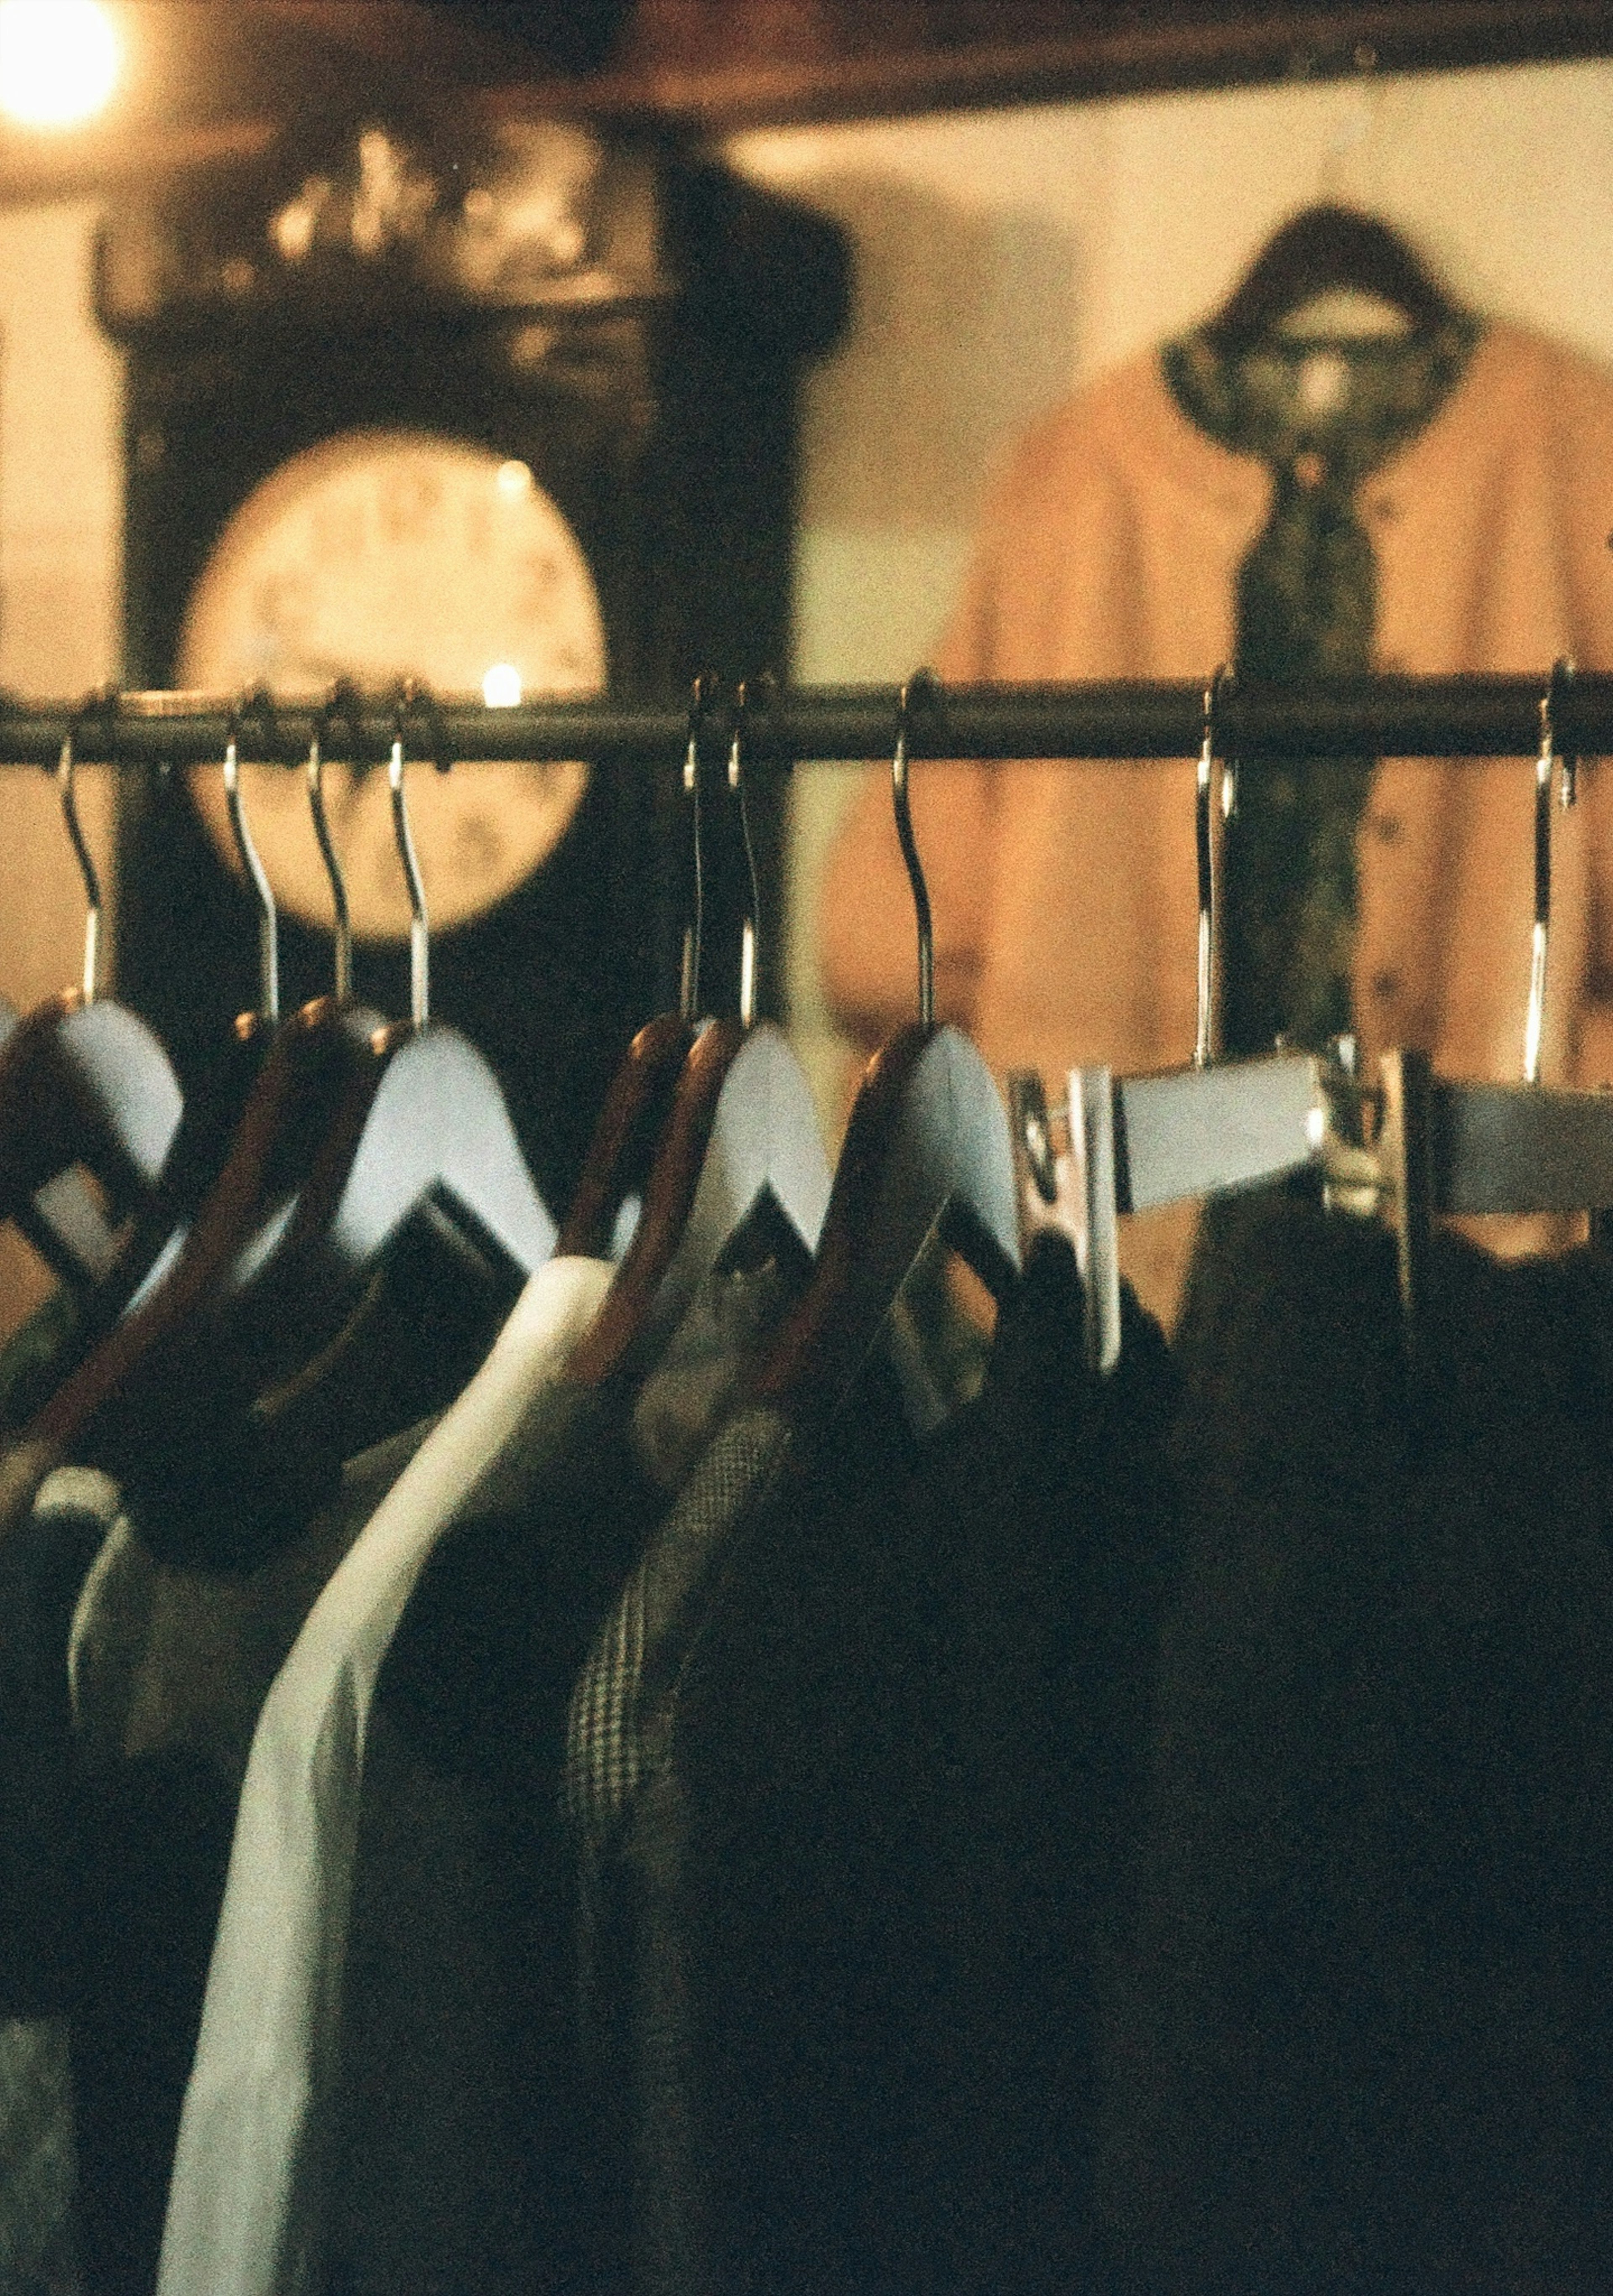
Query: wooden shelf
710, 67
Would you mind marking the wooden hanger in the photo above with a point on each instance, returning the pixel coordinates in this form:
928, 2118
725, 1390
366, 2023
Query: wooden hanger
350, 1129
438, 1128
82, 1082
927, 1151
211, 1116
418, 1131
1325, 249
635, 1112
638, 1105
742, 1131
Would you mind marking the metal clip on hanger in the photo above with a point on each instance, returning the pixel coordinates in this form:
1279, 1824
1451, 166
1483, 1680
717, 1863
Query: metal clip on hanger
1467, 1148
1135, 1143
742, 1131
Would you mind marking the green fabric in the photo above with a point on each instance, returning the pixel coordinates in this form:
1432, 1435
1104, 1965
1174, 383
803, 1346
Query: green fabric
1324, 413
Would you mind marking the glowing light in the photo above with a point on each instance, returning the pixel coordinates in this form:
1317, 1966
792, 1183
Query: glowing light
59, 60
501, 687
514, 479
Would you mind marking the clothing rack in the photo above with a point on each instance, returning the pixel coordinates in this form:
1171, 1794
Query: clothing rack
1474, 716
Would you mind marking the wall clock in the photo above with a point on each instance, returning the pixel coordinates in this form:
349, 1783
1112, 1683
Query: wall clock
380, 553
416, 399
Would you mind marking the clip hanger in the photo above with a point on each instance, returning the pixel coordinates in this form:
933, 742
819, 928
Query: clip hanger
1134, 1144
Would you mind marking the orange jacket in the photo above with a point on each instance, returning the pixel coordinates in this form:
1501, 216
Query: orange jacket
1065, 894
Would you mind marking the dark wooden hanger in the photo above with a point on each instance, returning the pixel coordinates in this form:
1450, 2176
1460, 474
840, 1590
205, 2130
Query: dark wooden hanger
635, 1115
742, 1131
1323, 249
212, 1113
351, 1130
82, 1082
438, 1128
298, 1093
421, 1131
927, 1150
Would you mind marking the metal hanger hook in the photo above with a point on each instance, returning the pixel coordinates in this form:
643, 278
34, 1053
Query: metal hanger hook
1540, 935
102, 703
753, 696
343, 702
259, 705
1204, 1039
1556, 700
702, 692
409, 699
920, 686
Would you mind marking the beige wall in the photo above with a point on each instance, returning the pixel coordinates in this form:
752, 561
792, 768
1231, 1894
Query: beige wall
60, 521
1004, 256
1000, 257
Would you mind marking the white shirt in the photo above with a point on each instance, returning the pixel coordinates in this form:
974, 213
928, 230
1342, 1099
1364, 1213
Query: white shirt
244, 2205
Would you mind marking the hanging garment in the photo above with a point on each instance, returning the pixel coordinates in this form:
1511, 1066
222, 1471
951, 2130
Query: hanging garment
1364, 2041
1323, 416
459, 2154
42, 1563
1112, 548
850, 1769
166, 1669
242, 2212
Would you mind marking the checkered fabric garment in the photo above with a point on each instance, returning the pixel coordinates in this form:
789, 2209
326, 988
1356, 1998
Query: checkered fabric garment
605, 1749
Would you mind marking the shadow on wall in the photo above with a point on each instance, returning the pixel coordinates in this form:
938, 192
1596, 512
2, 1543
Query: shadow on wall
963, 327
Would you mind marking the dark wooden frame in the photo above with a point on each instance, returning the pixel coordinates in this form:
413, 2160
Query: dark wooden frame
717, 65
714, 66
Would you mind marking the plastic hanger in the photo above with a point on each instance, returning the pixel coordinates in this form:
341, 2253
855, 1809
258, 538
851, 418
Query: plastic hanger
1444, 1146
742, 1132
1323, 249
927, 1150
1137, 1143
82, 1082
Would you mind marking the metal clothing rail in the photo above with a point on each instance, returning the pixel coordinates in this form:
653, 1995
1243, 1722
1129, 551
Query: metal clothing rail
1476, 716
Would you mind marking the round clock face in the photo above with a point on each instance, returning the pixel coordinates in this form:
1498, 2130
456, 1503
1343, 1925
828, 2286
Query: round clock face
377, 555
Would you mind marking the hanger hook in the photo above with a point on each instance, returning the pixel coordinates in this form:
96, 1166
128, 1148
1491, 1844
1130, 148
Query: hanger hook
920, 686
1558, 697
756, 694
1540, 937
1204, 1040
259, 705
701, 693
412, 698
101, 702
342, 700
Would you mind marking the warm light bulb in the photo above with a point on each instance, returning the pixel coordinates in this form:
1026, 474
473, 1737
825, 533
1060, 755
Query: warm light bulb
58, 61
501, 687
